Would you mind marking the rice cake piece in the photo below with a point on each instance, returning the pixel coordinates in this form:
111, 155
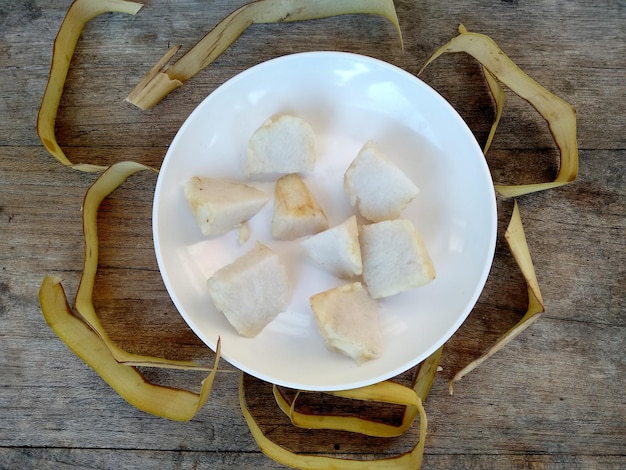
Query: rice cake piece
220, 205
283, 144
251, 291
347, 318
395, 258
379, 189
296, 212
337, 249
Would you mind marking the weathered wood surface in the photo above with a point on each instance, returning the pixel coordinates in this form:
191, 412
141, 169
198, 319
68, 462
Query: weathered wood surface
553, 398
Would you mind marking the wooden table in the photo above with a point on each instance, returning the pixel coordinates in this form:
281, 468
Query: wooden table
553, 398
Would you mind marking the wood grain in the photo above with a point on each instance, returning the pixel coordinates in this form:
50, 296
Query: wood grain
553, 398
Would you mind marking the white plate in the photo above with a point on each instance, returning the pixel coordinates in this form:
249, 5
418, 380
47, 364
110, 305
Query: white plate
348, 99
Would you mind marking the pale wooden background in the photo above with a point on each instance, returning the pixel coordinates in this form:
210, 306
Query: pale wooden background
554, 398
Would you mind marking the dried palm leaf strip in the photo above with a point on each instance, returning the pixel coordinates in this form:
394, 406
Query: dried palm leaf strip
161, 80
128, 382
104, 185
78, 15
387, 392
559, 114
424, 375
516, 240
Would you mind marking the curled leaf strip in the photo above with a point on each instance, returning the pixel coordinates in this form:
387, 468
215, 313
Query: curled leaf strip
426, 372
559, 114
167, 402
519, 249
392, 394
409, 460
499, 98
384, 392
162, 80
104, 185
78, 15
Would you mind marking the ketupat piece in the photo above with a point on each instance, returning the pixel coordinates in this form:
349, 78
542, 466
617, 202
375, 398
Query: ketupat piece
251, 291
347, 319
220, 205
337, 249
162, 79
395, 258
378, 188
296, 212
283, 144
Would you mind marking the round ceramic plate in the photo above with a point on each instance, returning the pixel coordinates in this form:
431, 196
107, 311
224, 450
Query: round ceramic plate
348, 99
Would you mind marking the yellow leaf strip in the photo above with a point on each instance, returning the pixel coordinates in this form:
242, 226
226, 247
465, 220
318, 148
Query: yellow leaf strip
499, 98
559, 114
349, 423
78, 15
162, 80
384, 392
519, 249
166, 402
410, 460
104, 185
425, 374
